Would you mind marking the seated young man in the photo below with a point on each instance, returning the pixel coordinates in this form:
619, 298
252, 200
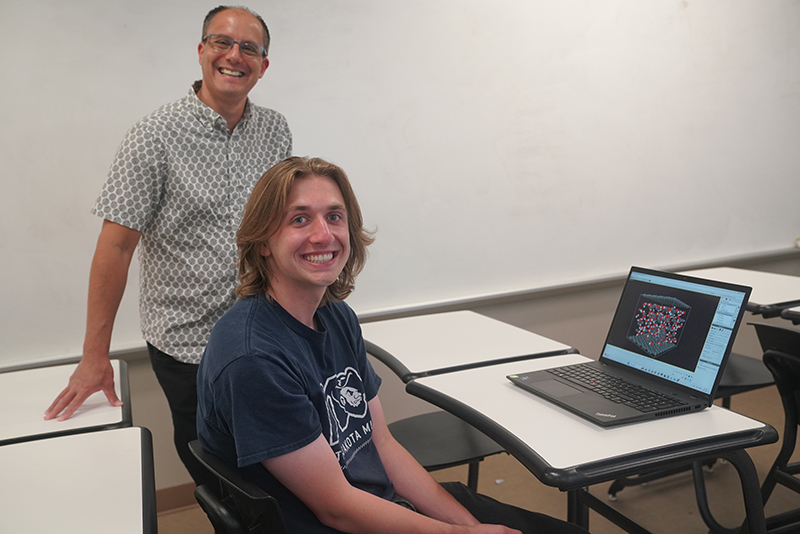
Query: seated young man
285, 390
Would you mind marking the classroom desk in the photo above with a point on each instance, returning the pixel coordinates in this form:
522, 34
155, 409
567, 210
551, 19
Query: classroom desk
793, 314
26, 394
92, 482
570, 453
771, 292
427, 345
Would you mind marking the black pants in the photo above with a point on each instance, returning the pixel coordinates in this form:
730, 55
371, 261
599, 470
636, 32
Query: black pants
493, 512
179, 382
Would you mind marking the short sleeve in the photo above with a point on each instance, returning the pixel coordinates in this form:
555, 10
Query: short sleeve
270, 413
355, 338
132, 191
372, 382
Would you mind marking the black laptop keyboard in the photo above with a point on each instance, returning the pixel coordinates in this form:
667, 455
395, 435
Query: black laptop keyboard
616, 389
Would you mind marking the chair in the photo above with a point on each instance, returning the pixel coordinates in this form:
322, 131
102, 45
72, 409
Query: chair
782, 357
439, 440
237, 506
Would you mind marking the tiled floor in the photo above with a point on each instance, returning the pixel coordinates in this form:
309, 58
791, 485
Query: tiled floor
665, 506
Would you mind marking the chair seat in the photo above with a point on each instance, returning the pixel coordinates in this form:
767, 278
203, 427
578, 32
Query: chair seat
439, 440
742, 374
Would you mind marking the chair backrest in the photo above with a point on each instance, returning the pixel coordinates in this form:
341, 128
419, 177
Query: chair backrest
782, 357
781, 348
774, 337
785, 368
254, 508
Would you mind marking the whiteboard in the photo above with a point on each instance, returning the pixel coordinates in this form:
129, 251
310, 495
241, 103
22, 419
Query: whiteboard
496, 146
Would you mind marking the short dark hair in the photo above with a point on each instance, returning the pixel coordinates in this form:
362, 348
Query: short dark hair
265, 210
213, 13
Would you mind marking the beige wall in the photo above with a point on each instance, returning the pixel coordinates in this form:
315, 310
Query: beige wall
576, 316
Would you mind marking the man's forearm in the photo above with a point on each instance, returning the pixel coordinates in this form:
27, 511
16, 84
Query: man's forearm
107, 280
411, 481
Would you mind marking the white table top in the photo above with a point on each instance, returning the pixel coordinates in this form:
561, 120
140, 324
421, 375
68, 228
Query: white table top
430, 343
768, 288
90, 482
564, 440
25, 395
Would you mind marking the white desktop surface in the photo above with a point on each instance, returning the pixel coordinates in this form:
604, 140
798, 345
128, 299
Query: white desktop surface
768, 288
82, 483
25, 395
438, 341
562, 439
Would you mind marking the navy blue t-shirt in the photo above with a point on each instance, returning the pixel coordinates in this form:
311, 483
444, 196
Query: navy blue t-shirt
269, 385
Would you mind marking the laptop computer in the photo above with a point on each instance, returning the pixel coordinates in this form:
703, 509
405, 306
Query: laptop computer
671, 336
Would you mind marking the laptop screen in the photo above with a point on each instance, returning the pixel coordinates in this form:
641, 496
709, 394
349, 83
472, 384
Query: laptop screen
674, 327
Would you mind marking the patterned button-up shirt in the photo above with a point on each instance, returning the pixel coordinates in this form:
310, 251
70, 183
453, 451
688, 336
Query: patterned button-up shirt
182, 179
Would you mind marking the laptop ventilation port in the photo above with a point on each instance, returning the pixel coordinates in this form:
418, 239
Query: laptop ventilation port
673, 412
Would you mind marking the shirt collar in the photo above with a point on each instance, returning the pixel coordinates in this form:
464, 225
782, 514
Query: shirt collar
208, 116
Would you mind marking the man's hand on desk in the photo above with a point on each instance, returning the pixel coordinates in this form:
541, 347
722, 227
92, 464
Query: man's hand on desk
87, 379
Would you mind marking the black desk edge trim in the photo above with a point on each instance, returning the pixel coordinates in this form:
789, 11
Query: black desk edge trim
406, 375
388, 360
488, 363
771, 310
793, 316
595, 472
60, 433
125, 393
149, 509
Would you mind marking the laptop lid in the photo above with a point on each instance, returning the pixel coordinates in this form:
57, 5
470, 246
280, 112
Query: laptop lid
675, 329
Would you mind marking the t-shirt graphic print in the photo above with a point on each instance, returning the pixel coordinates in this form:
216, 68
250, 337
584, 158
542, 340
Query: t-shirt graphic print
350, 426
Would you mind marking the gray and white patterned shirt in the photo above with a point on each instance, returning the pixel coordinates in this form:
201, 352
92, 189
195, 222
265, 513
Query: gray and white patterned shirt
182, 179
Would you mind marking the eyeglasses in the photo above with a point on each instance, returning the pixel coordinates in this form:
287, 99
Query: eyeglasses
223, 43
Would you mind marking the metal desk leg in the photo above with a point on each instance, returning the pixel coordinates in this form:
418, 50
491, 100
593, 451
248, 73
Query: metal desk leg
755, 523
580, 501
577, 511
702, 502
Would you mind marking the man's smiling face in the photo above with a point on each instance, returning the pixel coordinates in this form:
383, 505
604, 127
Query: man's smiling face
312, 244
229, 76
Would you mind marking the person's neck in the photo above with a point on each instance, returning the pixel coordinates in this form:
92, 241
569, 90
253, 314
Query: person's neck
231, 111
301, 307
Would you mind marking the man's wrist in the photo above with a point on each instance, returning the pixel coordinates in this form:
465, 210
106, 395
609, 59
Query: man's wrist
95, 356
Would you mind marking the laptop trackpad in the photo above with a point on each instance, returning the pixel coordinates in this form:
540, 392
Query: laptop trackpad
556, 389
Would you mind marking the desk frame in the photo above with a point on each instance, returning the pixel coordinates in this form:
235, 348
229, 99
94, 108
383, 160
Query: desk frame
589, 469
792, 314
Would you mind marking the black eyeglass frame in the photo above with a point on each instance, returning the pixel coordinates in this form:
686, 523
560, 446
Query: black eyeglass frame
261, 49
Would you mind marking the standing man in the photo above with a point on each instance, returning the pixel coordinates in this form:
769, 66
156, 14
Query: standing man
285, 390
178, 185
